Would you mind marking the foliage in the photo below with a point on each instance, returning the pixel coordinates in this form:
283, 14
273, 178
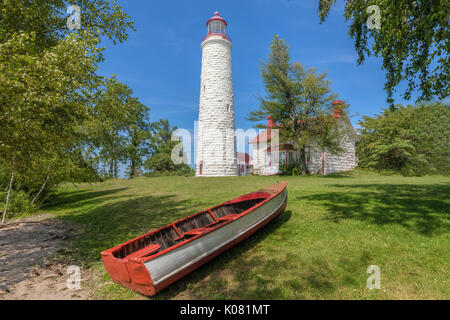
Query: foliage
162, 132
412, 140
47, 19
160, 162
20, 203
119, 127
413, 41
138, 137
48, 80
300, 100
288, 169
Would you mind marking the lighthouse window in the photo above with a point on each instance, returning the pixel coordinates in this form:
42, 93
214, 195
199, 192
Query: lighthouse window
216, 27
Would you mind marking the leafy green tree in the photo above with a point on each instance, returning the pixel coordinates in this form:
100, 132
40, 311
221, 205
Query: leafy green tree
47, 77
412, 140
413, 41
44, 96
138, 131
119, 127
300, 100
47, 20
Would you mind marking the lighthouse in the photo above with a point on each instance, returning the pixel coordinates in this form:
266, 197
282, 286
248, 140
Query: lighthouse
216, 144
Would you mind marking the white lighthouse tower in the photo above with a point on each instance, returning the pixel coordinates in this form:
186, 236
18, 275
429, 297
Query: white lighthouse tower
216, 144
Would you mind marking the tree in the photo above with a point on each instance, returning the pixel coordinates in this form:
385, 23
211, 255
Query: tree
413, 41
160, 161
412, 140
300, 100
44, 96
47, 20
47, 77
138, 136
119, 127
162, 132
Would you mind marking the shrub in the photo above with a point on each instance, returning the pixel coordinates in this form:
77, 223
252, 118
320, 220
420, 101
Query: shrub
411, 140
19, 203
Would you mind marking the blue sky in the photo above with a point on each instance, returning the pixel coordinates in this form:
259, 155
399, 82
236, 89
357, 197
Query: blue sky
161, 61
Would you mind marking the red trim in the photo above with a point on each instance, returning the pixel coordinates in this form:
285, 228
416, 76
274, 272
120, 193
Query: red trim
223, 35
323, 163
176, 229
133, 274
215, 219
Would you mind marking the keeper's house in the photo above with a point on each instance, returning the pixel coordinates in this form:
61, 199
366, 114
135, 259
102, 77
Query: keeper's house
318, 161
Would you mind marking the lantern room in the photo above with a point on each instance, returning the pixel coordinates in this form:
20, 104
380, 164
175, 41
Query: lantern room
216, 26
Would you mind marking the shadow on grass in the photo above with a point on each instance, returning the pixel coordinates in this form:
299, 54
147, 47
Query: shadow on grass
419, 208
347, 174
62, 200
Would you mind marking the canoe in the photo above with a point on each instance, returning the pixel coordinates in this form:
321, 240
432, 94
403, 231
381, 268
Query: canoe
151, 262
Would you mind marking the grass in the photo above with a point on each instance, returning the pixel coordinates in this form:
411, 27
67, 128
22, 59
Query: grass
333, 228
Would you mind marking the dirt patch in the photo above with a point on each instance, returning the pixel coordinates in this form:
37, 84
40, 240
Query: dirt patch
28, 267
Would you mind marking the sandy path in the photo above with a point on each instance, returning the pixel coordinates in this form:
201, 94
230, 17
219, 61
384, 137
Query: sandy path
28, 269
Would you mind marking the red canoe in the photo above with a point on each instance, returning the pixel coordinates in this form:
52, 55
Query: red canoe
153, 261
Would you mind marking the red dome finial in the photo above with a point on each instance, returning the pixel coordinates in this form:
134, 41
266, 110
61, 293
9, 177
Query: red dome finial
216, 17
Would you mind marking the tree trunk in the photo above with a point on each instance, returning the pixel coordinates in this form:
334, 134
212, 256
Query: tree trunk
303, 159
132, 169
111, 167
8, 196
40, 191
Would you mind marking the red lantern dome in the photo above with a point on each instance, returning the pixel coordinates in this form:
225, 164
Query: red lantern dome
216, 18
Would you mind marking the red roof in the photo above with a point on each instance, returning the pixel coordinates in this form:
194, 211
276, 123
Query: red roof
266, 135
216, 17
263, 136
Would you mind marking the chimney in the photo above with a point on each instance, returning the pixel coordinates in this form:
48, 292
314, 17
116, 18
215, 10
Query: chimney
337, 108
271, 122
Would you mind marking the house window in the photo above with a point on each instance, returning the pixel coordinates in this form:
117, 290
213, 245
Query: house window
283, 157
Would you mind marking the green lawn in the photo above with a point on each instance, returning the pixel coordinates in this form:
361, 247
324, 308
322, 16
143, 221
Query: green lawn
333, 228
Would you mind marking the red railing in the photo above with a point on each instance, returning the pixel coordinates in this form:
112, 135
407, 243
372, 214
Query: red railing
223, 35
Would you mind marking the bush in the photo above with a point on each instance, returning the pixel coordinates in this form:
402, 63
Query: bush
290, 170
19, 203
411, 140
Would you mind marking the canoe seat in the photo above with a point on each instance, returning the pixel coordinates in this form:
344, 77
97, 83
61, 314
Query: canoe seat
195, 232
148, 250
229, 217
